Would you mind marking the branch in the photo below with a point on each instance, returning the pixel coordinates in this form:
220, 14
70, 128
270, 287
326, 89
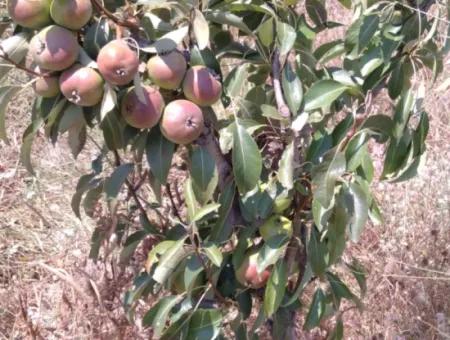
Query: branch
118, 21
172, 202
5, 57
283, 109
131, 188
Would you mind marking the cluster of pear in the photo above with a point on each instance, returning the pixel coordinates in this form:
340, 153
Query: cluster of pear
55, 51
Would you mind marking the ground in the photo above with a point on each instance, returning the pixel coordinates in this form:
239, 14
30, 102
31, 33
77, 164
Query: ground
48, 288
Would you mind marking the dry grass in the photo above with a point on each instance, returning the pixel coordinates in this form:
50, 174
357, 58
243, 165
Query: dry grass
48, 287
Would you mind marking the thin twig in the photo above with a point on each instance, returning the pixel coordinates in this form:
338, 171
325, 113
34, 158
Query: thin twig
115, 19
172, 202
5, 57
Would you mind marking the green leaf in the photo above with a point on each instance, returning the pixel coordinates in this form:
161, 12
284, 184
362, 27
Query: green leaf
266, 32
292, 89
286, 167
329, 51
131, 244
247, 161
214, 254
235, 80
205, 324
316, 310
336, 234
27, 143
113, 130
205, 210
369, 27
6, 94
159, 154
16, 48
221, 230
360, 274
114, 183
227, 18
360, 211
317, 253
271, 251
323, 93
316, 11
326, 174
85, 183
204, 174
157, 316
286, 36
97, 35
109, 101
77, 139
201, 29
338, 332
275, 289
339, 289
191, 202
92, 197
168, 41
169, 261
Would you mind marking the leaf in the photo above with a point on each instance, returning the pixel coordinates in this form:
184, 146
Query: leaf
159, 154
266, 32
292, 88
271, 251
169, 261
206, 210
6, 94
84, 184
300, 122
92, 197
27, 143
326, 174
168, 42
316, 310
339, 289
329, 51
286, 167
205, 324
360, 211
275, 289
227, 18
214, 254
113, 130
323, 93
157, 316
190, 200
97, 35
338, 332
85, 60
221, 230
286, 36
360, 274
235, 80
204, 174
201, 30
77, 139
368, 28
246, 158
114, 183
109, 101
317, 253
16, 48
317, 12
131, 244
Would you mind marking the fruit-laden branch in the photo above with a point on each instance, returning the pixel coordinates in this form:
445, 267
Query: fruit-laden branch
118, 21
283, 109
5, 57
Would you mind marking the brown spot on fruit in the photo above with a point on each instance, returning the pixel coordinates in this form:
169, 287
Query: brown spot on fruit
182, 122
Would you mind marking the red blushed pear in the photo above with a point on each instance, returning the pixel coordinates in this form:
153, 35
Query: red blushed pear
73, 14
81, 85
54, 48
182, 122
46, 86
30, 13
247, 273
201, 87
117, 62
167, 70
142, 113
